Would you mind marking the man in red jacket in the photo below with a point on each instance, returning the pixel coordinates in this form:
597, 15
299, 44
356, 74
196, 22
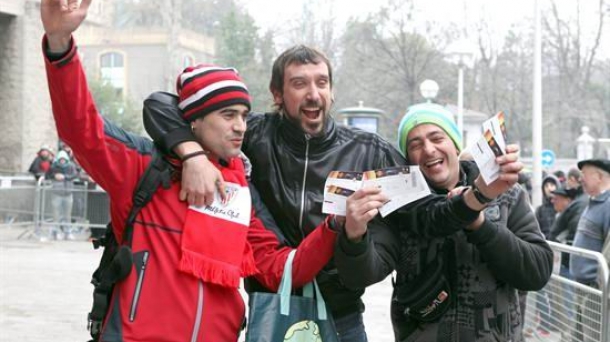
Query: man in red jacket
187, 260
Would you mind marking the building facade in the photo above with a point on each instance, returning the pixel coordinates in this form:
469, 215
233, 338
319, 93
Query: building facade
136, 62
24, 100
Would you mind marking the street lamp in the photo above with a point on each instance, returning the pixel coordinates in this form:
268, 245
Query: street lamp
428, 89
462, 53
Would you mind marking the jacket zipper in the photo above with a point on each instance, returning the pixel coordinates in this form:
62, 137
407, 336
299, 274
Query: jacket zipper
303, 185
136, 295
199, 313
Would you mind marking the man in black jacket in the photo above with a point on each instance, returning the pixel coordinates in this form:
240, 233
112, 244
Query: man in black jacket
454, 284
292, 151
291, 155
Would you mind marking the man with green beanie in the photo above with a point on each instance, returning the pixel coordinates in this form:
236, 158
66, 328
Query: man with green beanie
460, 285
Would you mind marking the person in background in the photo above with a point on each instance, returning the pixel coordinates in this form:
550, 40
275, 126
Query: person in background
569, 206
62, 174
545, 215
42, 163
561, 176
573, 180
592, 230
594, 223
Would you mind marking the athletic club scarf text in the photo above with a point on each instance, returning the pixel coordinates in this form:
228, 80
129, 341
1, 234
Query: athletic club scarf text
214, 238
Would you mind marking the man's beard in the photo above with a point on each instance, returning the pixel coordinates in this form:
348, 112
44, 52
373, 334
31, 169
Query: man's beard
296, 120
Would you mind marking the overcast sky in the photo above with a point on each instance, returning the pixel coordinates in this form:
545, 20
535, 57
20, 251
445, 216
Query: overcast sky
499, 14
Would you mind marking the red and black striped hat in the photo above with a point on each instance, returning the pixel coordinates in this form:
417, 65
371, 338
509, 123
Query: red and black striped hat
205, 88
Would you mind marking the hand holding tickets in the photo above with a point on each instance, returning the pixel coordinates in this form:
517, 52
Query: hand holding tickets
490, 146
401, 185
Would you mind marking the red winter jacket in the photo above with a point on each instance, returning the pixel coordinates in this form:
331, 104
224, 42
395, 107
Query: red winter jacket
157, 302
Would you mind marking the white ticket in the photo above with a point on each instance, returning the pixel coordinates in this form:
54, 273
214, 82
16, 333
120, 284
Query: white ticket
491, 145
402, 185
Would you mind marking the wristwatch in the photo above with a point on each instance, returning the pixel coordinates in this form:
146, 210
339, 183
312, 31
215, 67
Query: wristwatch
479, 195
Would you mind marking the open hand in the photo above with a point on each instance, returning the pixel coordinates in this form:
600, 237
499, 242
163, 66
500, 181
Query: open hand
60, 18
200, 179
510, 166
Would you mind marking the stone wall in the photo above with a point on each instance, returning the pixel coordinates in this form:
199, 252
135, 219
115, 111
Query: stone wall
39, 126
10, 103
25, 111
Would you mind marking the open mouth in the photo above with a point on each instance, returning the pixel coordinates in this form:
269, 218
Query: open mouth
434, 164
311, 114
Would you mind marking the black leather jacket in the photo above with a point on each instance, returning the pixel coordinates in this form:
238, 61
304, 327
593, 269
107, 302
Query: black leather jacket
289, 170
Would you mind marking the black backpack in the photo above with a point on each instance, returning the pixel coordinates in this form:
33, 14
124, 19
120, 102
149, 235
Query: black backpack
117, 259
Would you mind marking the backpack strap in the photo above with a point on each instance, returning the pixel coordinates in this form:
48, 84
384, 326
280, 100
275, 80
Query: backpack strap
117, 259
158, 173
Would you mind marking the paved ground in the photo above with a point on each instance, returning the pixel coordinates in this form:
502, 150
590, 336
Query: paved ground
45, 292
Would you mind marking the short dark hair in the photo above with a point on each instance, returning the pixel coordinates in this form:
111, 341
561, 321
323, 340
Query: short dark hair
574, 173
299, 54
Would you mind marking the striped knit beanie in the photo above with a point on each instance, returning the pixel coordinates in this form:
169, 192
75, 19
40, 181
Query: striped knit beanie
428, 113
205, 88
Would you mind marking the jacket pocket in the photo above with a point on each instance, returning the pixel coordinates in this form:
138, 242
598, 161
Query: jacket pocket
140, 261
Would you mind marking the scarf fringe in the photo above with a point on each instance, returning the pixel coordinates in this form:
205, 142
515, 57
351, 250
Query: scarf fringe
248, 265
210, 270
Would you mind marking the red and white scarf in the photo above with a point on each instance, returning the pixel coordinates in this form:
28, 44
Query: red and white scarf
214, 239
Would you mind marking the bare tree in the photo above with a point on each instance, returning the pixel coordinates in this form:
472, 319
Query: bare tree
386, 56
572, 45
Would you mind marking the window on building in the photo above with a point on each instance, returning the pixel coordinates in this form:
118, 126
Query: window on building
112, 70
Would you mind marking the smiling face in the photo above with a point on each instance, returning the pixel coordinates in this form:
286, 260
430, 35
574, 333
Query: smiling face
221, 132
306, 96
431, 148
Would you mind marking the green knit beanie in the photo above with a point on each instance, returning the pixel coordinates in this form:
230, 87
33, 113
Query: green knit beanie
428, 113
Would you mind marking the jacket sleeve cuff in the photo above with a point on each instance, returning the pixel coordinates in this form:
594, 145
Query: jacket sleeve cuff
330, 226
58, 59
176, 137
484, 234
351, 248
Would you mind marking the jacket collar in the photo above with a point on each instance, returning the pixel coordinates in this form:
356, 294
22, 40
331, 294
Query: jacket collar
294, 137
601, 197
468, 173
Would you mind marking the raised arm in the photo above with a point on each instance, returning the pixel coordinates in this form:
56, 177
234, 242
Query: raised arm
439, 216
113, 157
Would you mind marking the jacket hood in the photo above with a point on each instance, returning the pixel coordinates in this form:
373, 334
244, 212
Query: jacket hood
62, 155
549, 178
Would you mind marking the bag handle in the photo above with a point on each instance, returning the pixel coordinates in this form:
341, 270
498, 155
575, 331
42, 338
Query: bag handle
308, 292
285, 290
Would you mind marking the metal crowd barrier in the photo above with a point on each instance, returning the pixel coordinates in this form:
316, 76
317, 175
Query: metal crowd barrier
17, 205
33, 209
73, 213
566, 310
